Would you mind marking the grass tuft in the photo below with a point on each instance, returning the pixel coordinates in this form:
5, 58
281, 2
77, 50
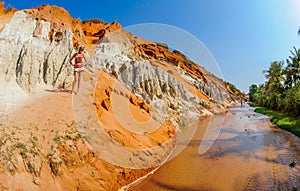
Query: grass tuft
282, 120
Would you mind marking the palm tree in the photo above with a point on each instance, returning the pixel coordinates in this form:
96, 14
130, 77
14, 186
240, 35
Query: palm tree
274, 77
253, 92
292, 71
287, 72
274, 86
274, 72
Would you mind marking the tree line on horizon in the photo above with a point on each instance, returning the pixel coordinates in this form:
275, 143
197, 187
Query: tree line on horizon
281, 90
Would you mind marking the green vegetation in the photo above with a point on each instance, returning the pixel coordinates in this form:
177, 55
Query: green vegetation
162, 44
281, 91
69, 134
95, 20
8, 9
282, 120
179, 53
279, 96
233, 88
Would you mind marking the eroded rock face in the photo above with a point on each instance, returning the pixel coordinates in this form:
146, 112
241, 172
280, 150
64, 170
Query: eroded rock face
149, 70
208, 84
30, 58
35, 46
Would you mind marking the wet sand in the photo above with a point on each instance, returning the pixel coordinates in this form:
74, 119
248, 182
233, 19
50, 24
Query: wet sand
249, 154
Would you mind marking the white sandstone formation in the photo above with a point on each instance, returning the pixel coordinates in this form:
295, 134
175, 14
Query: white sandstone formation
29, 58
153, 83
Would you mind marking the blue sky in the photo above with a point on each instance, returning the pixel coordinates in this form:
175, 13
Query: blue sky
244, 37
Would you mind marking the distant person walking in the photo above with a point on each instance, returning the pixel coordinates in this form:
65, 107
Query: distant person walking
79, 60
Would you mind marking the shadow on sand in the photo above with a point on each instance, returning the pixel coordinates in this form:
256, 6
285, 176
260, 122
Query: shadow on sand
58, 91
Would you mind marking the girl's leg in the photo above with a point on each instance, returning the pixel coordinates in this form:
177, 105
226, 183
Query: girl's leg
79, 78
75, 81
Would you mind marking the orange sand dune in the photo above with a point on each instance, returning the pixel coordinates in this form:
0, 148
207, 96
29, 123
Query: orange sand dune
42, 132
139, 112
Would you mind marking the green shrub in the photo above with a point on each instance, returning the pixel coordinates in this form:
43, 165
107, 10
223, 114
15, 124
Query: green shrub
8, 9
95, 20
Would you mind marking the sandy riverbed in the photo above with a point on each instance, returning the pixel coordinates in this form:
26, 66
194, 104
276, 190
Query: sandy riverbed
249, 154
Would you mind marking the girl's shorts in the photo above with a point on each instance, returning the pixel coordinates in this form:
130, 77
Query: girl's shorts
78, 69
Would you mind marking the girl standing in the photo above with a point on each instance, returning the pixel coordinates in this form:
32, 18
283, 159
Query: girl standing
78, 67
